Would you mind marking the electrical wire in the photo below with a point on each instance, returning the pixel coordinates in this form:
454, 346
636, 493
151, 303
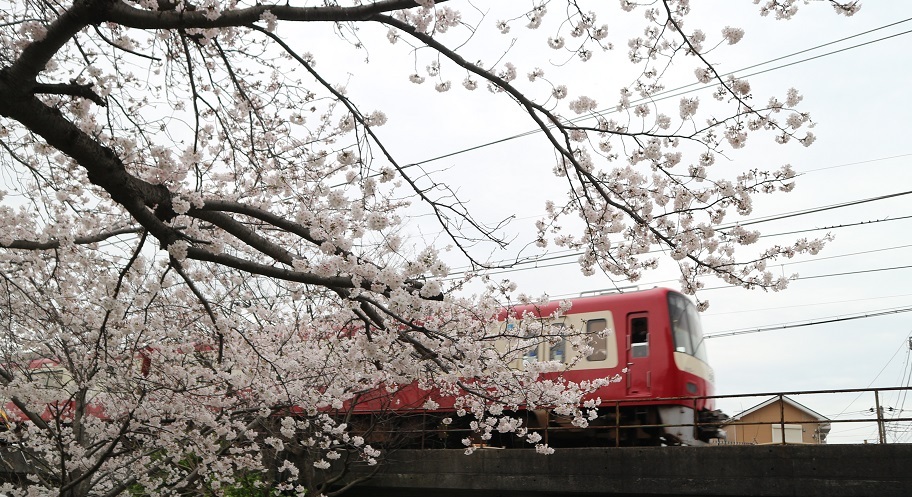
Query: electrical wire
765, 309
836, 319
884, 368
838, 226
681, 90
868, 161
907, 372
851, 254
849, 273
816, 210
684, 89
515, 266
536, 263
858, 163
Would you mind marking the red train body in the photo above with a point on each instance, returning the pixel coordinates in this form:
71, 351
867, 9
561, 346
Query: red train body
650, 342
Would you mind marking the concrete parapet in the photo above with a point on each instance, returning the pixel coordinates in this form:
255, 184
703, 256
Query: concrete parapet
769, 470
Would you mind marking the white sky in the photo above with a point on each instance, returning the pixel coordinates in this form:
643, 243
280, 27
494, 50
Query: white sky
861, 102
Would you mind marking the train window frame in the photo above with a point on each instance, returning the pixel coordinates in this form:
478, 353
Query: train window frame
532, 354
696, 334
686, 328
52, 378
598, 343
560, 346
639, 337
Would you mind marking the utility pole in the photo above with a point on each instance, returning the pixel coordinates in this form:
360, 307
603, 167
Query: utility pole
881, 431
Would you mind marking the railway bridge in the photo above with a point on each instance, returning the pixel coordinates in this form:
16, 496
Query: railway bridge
739, 470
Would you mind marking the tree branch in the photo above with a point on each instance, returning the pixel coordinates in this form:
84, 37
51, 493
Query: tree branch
72, 88
83, 240
122, 13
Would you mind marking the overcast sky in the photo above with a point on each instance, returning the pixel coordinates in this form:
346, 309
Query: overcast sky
860, 99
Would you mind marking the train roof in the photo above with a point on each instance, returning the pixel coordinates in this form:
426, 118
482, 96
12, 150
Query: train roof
596, 302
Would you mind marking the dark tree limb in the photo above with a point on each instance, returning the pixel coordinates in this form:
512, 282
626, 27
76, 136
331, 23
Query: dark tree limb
72, 89
83, 240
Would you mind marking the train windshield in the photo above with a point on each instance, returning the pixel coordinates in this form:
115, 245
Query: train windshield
685, 326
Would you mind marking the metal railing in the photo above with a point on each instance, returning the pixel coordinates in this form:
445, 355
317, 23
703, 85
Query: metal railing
875, 414
822, 423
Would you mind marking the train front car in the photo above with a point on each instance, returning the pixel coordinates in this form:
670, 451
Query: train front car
651, 343
690, 375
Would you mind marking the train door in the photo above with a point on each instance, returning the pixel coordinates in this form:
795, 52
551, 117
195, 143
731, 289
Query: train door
639, 365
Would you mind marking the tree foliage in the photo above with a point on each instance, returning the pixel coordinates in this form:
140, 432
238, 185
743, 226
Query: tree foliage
202, 232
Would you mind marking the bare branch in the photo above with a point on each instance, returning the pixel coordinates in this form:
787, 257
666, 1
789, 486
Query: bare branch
85, 240
73, 89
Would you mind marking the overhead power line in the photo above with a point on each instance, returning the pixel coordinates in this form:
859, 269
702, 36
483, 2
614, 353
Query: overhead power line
849, 273
839, 226
537, 262
713, 314
681, 90
721, 287
799, 278
856, 163
851, 317
815, 210
901, 346
802, 173
818, 276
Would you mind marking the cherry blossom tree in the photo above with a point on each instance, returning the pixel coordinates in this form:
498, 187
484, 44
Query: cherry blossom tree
204, 256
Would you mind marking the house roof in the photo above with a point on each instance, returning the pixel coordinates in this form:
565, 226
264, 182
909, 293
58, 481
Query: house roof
787, 400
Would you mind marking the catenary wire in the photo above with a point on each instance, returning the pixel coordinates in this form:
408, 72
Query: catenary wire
684, 89
834, 319
568, 263
536, 261
764, 309
801, 173
884, 368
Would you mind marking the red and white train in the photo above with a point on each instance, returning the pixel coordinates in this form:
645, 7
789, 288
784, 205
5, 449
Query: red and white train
650, 342
653, 340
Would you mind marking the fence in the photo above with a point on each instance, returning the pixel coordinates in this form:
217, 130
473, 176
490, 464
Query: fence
891, 422
784, 415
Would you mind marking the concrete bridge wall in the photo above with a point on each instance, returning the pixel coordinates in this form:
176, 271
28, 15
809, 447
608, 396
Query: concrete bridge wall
770, 470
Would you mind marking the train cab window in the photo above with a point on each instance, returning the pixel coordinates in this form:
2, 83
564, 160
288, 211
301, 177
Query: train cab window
685, 325
639, 336
681, 336
558, 350
598, 342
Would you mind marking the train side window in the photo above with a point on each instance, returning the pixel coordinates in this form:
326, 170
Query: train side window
531, 354
599, 343
52, 378
639, 337
558, 350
